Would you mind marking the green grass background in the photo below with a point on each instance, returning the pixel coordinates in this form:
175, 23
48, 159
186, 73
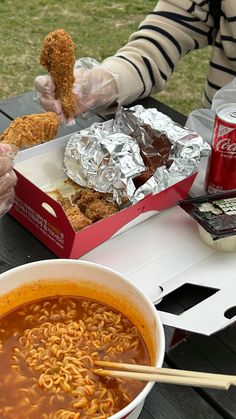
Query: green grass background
98, 28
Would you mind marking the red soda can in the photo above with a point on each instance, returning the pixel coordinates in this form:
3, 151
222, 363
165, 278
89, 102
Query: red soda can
221, 170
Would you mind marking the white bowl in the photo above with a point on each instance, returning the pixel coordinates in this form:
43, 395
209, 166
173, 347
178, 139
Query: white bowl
74, 277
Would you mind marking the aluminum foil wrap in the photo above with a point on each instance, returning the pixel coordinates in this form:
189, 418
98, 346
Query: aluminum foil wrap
141, 152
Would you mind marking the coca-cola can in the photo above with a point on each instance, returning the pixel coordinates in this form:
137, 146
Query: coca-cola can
221, 170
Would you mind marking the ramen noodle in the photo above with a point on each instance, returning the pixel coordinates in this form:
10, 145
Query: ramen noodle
47, 353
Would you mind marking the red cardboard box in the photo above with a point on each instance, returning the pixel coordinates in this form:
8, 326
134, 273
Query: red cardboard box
39, 170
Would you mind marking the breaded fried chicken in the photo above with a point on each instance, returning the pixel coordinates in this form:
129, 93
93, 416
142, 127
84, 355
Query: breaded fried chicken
93, 204
99, 209
84, 196
58, 57
30, 130
87, 207
76, 218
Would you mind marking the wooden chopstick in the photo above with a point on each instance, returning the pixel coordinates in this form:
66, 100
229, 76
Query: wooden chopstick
163, 371
168, 379
165, 375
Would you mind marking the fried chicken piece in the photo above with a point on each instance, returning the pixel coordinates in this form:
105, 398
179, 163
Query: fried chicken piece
93, 204
87, 207
58, 57
76, 218
99, 209
65, 202
84, 196
30, 130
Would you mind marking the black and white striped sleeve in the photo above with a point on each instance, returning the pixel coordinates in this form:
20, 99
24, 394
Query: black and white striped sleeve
168, 33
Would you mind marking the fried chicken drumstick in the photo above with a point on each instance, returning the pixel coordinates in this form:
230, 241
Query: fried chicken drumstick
58, 57
29, 130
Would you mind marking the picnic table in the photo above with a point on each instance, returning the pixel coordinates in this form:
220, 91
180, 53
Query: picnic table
215, 353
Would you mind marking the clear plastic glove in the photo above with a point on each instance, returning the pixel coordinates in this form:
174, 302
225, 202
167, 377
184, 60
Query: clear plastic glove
94, 87
8, 177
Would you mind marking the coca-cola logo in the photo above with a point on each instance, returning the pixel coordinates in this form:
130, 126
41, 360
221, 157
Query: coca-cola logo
225, 146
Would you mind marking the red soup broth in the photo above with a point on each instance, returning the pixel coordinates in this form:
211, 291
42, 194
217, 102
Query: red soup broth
47, 349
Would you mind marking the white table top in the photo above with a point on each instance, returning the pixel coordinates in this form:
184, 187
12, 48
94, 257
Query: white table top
166, 250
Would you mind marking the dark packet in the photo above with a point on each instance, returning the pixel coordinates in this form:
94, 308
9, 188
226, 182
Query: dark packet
216, 213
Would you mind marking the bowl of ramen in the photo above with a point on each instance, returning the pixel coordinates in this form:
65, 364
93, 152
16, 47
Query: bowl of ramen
57, 318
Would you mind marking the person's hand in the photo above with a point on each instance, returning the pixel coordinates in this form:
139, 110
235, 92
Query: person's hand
94, 87
8, 177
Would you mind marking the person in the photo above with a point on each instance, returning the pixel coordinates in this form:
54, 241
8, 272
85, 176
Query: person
8, 178
142, 67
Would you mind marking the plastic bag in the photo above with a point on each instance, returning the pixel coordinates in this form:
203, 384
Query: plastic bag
94, 87
202, 120
8, 177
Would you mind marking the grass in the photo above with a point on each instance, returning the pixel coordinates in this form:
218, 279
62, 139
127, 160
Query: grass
98, 28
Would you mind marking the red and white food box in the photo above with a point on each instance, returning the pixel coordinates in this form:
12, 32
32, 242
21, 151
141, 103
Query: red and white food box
40, 170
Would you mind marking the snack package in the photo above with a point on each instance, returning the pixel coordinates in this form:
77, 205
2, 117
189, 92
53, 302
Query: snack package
216, 218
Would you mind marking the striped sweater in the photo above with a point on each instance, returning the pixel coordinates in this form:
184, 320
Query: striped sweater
172, 30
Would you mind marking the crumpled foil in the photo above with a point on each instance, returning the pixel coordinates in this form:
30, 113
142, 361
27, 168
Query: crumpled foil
107, 156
